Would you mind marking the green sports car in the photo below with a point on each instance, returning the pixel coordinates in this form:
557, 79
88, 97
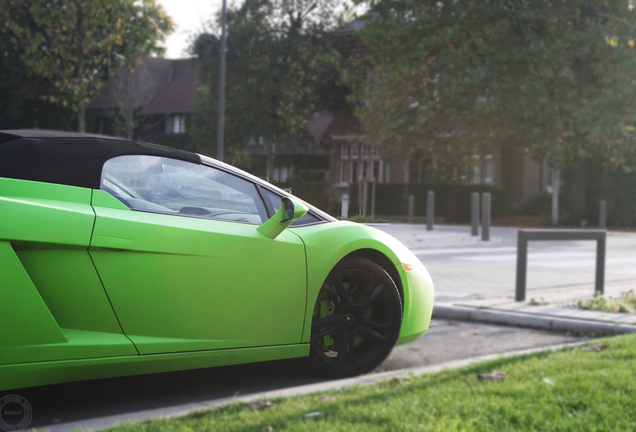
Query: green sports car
121, 258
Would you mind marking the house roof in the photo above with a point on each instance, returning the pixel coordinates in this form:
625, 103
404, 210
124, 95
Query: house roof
177, 96
144, 82
317, 127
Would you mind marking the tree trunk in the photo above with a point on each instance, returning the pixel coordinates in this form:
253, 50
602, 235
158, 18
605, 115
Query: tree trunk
270, 161
556, 180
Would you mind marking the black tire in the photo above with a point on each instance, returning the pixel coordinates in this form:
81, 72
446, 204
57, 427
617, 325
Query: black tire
356, 320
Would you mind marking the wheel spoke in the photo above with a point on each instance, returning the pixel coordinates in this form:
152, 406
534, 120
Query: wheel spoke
342, 293
341, 346
328, 321
372, 298
334, 296
322, 333
351, 354
374, 325
366, 331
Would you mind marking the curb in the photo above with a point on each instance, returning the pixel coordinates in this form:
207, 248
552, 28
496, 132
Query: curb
528, 321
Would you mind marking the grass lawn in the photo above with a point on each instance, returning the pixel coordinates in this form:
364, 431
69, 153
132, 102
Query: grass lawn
572, 389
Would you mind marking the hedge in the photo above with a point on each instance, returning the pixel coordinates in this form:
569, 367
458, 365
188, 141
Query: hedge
452, 202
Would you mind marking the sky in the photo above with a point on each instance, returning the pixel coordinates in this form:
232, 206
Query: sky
189, 16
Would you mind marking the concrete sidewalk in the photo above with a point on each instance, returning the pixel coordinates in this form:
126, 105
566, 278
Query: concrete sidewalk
475, 280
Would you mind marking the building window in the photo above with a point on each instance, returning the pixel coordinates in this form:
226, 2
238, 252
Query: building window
344, 151
374, 169
176, 124
365, 171
488, 170
365, 151
345, 171
354, 151
375, 153
282, 173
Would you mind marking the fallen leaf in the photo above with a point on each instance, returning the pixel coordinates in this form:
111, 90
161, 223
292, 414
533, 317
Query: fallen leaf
313, 414
599, 347
548, 381
538, 302
398, 379
326, 398
495, 376
260, 405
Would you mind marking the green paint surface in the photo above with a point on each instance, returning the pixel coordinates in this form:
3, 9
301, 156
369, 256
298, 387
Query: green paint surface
91, 289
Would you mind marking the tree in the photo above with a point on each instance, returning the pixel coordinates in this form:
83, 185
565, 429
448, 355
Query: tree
274, 54
475, 77
131, 88
73, 43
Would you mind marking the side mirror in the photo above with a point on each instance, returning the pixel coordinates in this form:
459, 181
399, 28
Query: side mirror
288, 212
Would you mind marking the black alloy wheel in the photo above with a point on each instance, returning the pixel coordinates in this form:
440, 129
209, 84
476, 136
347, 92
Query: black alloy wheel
356, 319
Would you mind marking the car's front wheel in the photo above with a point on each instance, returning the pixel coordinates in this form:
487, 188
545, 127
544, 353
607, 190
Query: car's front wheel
356, 319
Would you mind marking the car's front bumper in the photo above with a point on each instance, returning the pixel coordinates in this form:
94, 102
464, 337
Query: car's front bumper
418, 299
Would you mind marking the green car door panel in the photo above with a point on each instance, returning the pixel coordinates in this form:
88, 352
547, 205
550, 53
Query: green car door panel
343, 238
54, 306
181, 283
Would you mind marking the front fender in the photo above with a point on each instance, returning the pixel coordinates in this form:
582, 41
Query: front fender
327, 244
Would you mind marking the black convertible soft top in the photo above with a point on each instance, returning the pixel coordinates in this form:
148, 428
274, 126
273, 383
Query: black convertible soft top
69, 158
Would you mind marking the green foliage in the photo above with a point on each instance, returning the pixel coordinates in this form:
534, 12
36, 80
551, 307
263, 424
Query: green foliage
589, 183
625, 304
568, 390
453, 79
72, 44
452, 202
274, 58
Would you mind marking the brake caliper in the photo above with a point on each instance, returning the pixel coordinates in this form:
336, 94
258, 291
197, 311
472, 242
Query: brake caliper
325, 311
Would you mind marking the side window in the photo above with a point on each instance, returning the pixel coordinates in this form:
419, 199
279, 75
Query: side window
165, 185
275, 201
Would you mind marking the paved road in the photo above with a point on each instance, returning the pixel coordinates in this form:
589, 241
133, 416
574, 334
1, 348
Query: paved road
63, 403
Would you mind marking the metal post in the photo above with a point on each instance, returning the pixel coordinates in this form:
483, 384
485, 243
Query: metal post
474, 214
556, 182
373, 199
411, 208
522, 260
602, 215
430, 210
485, 217
600, 236
219, 136
599, 285
365, 194
344, 210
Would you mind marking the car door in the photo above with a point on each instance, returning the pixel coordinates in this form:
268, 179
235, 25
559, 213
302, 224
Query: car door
177, 248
